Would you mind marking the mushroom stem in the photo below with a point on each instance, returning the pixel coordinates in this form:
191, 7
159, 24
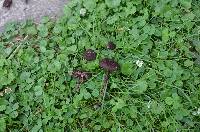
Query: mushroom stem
104, 88
78, 84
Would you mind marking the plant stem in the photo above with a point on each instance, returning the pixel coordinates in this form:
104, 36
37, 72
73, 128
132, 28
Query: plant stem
78, 86
105, 85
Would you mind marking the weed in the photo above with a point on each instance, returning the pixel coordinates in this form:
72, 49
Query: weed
155, 89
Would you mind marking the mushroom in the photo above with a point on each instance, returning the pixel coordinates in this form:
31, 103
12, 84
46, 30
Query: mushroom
82, 76
109, 66
111, 46
90, 55
7, 3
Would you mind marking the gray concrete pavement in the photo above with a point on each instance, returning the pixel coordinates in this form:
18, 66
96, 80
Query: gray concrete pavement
35, 9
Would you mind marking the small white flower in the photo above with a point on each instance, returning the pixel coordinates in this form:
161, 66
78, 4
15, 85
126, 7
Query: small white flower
194, 113
198, 111
149, 104
1, 93
83, 11
139, 63
8, 90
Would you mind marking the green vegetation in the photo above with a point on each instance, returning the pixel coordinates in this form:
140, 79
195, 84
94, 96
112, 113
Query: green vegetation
156, 88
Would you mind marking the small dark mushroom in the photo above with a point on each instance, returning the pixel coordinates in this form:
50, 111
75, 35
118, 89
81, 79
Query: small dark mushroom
90, 55
109, 65
82, 76
111, 46
7, 3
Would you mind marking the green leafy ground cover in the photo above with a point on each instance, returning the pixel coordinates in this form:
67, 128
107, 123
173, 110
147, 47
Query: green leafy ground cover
162, 94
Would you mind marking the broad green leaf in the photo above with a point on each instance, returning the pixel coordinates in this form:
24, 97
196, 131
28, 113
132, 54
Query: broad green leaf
89, 4
38, 90
25, 75
91, 65
169, 100
85, 93
140, 87
156, 107
43, 30
112, 19
2, 104
45, 19
135, 33
36, 128
129, 122
133, 111
31, 30
186, 3
113, 3
57, 65
167, 72
119, 105
57, 29
188, 63
130, 10
95, 92
67, 11
165, 35
15, 106
72, 49
127, 68
14, 114
2, 124
2, 62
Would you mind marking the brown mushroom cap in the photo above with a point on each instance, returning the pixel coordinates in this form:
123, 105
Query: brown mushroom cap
109, 65
7, 3
111, 46
81, 75
90, 55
